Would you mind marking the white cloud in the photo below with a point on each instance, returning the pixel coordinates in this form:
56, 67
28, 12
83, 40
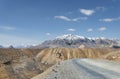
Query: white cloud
71, 30
102, 29
69, 19
7, 28
110, 19
87, 12
75, 19
107, 20
80, 18
48, 34
63, 18
90, 30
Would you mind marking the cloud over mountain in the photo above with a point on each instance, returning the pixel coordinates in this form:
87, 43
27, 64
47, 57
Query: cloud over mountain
90, 30
87, 12
48, 34
102, 29
71, 30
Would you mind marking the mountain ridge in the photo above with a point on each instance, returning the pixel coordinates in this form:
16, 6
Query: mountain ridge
75, 41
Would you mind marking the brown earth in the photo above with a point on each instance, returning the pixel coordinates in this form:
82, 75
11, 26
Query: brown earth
115, 55
54, 55
14, 63
50, 56
26, 63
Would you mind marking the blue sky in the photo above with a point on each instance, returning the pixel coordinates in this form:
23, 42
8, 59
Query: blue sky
24, 22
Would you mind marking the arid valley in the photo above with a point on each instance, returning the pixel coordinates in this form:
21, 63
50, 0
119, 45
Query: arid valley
60, 62
59, 39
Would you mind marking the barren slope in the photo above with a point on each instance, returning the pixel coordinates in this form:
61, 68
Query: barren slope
115, 55
53, 55
50, 56
18, 63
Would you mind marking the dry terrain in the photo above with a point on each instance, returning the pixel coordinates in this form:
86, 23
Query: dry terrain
27, 63
18, 63
82, 69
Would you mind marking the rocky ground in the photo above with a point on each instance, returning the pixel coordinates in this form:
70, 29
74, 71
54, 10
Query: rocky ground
82, 69
18, 63
27, 63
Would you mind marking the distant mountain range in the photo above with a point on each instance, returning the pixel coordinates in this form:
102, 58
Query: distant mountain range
19, 46
76, 41
1, 46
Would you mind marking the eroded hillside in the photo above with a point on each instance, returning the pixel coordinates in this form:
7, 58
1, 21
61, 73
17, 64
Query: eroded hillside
50, 56
53, 55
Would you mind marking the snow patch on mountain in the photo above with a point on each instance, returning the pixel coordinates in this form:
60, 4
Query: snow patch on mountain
76, 37
70, 37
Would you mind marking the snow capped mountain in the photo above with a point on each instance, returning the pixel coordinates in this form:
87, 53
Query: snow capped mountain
117, 40
1, 46
76, 37
70, 37
76, 41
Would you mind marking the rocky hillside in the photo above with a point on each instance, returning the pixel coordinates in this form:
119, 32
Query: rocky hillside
115, 55
50, 56
53, 55
1, 46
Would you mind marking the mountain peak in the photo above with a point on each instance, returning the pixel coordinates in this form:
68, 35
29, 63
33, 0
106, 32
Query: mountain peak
76, 41
70, 37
